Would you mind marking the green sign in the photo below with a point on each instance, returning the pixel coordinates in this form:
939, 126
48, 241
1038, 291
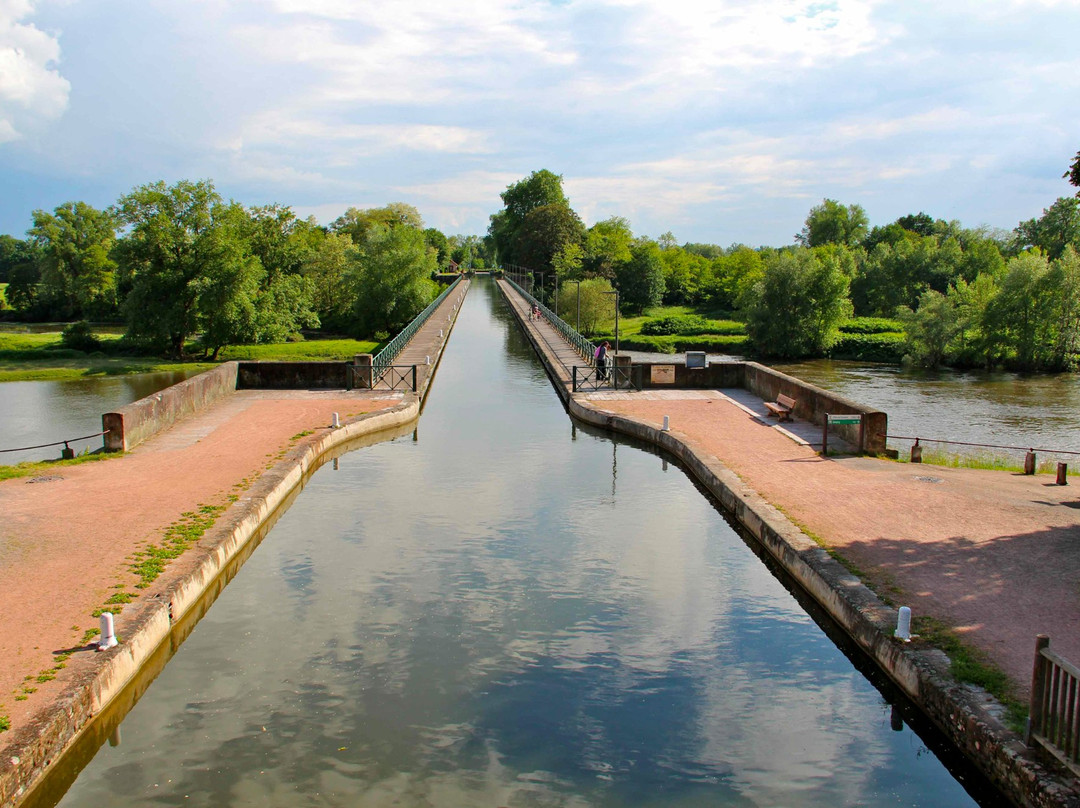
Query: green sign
845, 419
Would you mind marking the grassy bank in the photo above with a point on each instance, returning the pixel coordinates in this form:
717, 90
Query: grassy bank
39, 357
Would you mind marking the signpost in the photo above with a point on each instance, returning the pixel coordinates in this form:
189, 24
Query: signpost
839, 418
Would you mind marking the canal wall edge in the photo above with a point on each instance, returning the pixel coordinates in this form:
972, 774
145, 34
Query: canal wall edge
147, 622
958, 711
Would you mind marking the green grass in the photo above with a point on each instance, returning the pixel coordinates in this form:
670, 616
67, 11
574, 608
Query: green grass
43, 357
35, 468
5, 723
969, 664
150, 562
981, 460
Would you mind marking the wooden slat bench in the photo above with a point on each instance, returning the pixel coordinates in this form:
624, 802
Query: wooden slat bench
782, 407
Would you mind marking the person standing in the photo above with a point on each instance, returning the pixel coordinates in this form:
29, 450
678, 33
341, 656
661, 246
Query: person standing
601, 360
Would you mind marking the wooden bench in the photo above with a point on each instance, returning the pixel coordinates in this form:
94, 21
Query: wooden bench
782, 407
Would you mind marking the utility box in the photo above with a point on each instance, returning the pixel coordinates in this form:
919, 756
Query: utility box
696, 359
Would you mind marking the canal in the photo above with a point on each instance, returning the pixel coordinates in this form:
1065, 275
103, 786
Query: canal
506, 610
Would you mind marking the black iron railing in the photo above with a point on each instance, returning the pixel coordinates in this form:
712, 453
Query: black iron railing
589, 379
385, 358
585, 348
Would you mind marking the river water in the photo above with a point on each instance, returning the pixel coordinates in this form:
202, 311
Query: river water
508, 610
35, 413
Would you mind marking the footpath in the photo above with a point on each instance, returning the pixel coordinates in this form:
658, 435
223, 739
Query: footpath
991, 554
69, 540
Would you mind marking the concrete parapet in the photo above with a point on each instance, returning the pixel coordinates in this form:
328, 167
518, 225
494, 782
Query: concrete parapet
129, 426
294, 375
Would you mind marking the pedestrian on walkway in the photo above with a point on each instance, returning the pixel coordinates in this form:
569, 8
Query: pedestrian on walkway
601, 360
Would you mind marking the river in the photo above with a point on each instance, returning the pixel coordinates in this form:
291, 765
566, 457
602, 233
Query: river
508, 610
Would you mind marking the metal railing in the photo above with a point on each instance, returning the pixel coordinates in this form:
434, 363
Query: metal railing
64, 443
385, 358
589, 379
1055, 705
978, 445
585, 348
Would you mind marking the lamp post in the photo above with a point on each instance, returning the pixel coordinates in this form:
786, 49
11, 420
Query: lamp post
578, 324
616, 293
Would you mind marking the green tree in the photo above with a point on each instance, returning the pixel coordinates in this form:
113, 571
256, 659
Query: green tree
1017, 319
931, 329
539, 189
596, 302
732, 275
685, 273
356, 222
544, 233
641, 279
833, 223
20, 268
188, 260
607, 244
796, 308
77, 269
389, 280
438, 241
326, 267
1073, 174
1056, 229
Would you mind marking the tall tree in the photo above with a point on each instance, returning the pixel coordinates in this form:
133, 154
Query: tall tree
389, 280
833, 223
796, 308
1073, 174
77, 271
641, 279
544, 233
188, 260
356, 222
537, 190
1056, 229
607, 244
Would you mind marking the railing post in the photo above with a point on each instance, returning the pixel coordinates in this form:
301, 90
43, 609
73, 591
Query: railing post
414, 379
362, 371
1038, 689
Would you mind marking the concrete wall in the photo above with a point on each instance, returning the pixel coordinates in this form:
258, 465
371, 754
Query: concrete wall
293, 376
812, 403
714, 377
131, 425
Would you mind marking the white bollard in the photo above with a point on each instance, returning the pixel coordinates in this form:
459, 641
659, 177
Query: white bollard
903, 624
335, 421
427, 360
108, 633
666, 424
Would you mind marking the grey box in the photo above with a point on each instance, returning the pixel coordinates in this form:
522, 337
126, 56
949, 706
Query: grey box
696, 359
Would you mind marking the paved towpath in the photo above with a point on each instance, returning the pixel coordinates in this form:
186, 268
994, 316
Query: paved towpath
993, 553
66, 537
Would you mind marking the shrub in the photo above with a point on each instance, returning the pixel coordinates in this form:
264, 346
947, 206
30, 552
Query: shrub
676, 324
712, 343
80, 337
869, 347
871, 325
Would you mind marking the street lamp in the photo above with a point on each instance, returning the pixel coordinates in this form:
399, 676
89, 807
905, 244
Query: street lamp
616, 293
578, 326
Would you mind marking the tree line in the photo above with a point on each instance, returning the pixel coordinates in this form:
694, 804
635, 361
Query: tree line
178, 261
965, 296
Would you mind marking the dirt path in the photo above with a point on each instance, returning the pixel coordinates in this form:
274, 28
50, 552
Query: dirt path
996, 554
65, 540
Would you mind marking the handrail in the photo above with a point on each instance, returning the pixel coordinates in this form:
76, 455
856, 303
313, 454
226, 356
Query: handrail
384, 358
980, 445
584, 347
56, 443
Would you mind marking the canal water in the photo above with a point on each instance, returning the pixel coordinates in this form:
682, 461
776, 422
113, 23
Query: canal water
507, 610
35, 413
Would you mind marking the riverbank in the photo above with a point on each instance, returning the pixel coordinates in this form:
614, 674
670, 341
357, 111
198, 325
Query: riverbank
42, 356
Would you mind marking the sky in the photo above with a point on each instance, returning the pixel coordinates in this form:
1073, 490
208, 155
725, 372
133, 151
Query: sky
720, 122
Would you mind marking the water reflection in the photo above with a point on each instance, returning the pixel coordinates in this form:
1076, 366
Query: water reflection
35, 413
483, 617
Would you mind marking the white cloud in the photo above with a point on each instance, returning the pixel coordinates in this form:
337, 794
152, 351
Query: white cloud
31, 89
